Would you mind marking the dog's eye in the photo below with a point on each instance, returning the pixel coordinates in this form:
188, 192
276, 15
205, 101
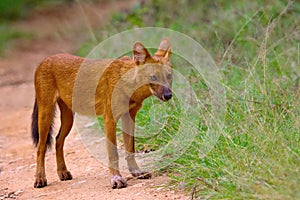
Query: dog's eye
153, 78
169, 76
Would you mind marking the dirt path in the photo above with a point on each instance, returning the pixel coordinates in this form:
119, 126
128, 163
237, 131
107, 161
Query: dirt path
59, 29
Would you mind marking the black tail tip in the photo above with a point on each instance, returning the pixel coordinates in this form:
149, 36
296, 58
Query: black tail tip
34, 125
35, 129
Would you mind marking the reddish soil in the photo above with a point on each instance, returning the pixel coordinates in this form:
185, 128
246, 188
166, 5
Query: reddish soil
56, 29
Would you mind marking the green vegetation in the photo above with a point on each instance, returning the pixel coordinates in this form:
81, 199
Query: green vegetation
18, 9
256, 45
12, 10
8, 33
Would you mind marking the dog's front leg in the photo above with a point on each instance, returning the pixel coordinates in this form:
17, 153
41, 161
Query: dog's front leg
128, 121
113, 158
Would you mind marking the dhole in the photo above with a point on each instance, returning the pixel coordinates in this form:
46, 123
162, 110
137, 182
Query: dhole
54, 83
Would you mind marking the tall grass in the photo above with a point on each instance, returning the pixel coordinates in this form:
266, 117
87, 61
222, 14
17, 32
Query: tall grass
257, 47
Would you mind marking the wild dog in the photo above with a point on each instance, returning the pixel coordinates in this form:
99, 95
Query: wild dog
55, 80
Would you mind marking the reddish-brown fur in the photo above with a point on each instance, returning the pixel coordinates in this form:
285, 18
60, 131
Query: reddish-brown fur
55, 79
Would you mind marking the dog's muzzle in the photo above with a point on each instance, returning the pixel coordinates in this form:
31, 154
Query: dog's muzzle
167, 94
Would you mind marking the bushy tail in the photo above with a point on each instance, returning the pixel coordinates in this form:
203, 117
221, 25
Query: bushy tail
35, 128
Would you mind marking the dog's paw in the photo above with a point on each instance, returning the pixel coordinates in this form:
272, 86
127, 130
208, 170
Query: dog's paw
141, 175
117, 182
64, 175
40, 182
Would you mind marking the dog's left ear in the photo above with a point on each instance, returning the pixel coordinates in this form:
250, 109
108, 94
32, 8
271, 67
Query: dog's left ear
140, 54
164, 49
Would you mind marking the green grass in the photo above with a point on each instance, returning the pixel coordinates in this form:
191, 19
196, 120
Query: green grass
256, 45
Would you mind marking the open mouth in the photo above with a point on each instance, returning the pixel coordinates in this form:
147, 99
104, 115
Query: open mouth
164, 97
160, 97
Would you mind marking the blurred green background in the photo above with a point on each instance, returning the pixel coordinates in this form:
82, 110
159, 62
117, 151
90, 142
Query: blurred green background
12, 11
18, 9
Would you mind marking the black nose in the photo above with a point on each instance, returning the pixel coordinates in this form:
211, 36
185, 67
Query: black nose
168, 96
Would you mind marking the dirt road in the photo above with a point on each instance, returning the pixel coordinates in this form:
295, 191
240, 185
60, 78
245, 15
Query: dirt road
56, 30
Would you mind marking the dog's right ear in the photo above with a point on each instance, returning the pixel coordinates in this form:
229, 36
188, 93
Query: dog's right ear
164, 49
140, 54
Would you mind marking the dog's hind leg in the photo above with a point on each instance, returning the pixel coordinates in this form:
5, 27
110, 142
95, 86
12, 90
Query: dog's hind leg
45, 117
67, 118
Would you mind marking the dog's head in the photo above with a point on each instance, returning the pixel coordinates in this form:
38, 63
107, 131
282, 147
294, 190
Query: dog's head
155, 70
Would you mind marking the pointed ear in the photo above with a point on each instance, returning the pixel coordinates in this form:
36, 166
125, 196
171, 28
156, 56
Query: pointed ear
164, 49
168, 54
140, 54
